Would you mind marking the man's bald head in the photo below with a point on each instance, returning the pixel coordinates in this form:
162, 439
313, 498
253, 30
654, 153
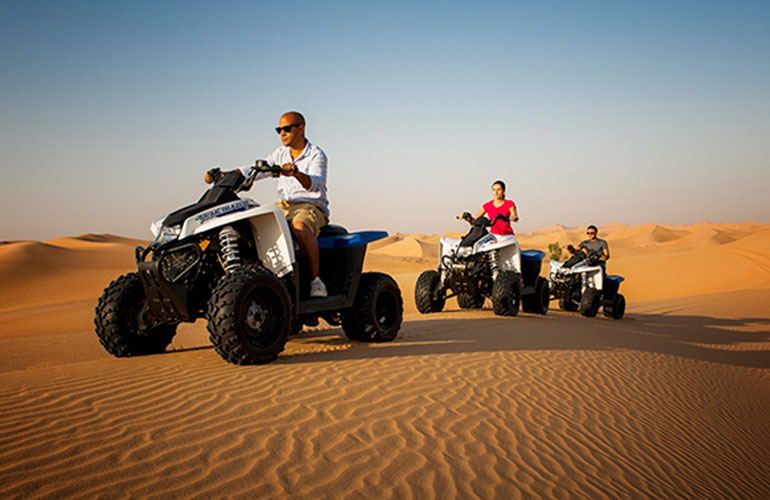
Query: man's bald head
295, 117
291, 128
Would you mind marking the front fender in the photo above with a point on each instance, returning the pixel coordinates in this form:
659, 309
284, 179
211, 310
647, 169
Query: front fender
271, 231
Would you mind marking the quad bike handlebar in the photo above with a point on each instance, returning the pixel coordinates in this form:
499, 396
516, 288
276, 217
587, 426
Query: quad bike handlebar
228, 179
483, 221
579, 255
261, 166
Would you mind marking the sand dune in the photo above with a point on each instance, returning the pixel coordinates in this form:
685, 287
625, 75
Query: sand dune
671, 402
61, 271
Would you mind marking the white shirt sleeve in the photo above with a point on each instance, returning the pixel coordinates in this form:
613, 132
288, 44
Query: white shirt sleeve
317, 171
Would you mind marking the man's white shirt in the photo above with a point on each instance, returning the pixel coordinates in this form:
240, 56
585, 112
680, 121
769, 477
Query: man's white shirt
311, 162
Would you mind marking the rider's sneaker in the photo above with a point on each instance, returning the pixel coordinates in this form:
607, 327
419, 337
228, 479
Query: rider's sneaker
317, 288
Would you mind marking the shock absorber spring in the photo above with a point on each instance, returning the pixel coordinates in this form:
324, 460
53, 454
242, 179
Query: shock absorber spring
494, 266
228, 245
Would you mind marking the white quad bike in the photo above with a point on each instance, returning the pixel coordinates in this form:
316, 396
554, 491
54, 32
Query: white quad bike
481, 265
232, 261
581, 285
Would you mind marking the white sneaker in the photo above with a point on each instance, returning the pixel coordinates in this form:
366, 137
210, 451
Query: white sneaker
317, 288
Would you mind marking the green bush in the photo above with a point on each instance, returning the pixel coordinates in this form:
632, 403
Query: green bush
555, 250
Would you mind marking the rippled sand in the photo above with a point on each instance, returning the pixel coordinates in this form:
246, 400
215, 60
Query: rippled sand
671, 402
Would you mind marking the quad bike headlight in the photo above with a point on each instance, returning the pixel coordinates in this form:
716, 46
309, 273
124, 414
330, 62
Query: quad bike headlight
464, 251
167, 234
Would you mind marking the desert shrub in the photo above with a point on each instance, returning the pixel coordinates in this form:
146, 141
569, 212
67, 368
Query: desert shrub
555, 251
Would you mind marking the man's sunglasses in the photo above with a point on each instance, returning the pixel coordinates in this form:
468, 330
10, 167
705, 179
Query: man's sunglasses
286, 129
590, 233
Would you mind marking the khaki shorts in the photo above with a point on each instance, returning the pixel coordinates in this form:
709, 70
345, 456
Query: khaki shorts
310, 214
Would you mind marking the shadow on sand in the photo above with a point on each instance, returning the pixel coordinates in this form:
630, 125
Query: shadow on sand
702, 338
729, 341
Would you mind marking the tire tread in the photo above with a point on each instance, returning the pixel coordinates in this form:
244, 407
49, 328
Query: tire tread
359, 323
223, 324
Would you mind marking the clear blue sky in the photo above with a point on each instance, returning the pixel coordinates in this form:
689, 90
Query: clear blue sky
592, 112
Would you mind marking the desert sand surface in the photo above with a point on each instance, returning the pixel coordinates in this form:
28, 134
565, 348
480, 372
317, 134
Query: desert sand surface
673, 401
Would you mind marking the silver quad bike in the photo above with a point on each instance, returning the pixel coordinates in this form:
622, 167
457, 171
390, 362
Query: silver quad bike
580, 284
484, 265
233, 261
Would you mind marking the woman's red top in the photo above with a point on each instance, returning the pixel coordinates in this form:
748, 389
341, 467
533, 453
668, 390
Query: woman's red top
500, 227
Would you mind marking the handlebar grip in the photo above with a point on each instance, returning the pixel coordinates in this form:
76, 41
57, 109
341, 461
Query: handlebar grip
212, 175
263, 166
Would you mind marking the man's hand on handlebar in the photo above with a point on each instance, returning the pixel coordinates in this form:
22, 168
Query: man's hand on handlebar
216, 173
289, 169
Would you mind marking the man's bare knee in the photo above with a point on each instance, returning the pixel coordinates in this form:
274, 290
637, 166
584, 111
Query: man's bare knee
300, 227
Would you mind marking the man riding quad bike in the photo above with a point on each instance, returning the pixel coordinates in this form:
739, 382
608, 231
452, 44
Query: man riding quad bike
482, 265
580, 284
233, 261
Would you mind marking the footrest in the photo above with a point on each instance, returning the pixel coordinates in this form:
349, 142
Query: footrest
323, 304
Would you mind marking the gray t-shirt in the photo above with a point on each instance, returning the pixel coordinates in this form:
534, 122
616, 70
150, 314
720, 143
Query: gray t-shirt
594, 248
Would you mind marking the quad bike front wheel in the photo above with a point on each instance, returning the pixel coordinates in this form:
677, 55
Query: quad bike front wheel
589, 303
377, 310
249, 316
506, 293
570, 300
124, 324
424, 290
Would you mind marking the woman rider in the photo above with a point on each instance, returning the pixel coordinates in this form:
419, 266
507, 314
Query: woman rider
498, 205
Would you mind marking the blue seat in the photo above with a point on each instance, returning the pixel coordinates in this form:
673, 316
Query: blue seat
332, 230
532, 255
350, 239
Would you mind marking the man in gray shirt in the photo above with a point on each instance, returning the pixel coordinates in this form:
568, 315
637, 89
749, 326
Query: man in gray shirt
597, 250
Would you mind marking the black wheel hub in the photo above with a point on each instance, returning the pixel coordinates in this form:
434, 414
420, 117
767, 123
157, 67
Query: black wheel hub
386, 310
255, 316
261, 318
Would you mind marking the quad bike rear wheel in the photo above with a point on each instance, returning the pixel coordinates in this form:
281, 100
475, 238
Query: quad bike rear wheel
542, 296
124, 324
377, 310
424, 290
538, 301
617, 309
506, 293
296, 327
249, 316
468, 301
